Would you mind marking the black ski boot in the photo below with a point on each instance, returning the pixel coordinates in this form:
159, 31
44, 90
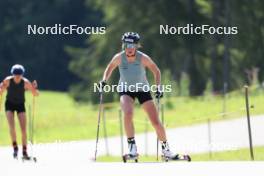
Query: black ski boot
15, 151
25, 156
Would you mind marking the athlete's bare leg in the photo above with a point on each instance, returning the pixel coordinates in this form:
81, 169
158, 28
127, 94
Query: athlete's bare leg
23, 126
127, 104
152, 113
11, 124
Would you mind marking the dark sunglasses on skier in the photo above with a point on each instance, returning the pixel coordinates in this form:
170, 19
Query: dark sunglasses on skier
130, 45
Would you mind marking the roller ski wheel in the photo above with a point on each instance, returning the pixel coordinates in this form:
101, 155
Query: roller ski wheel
128, 157
177, 157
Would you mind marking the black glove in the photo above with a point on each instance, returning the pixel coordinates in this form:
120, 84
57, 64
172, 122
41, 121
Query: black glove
102, 84
158, 94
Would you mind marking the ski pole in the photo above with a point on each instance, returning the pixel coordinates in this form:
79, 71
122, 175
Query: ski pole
98, 123
30, 126
121, 131
158, 104
32, 117
31, 121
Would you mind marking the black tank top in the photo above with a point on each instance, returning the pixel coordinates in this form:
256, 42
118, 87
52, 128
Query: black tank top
16, 92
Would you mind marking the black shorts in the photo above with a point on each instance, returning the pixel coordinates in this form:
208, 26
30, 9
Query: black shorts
141, 96
9, 106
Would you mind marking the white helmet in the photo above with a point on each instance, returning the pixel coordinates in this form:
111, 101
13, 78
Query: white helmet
17, 70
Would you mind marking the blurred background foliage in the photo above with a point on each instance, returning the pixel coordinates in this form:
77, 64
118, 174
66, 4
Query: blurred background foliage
193, 64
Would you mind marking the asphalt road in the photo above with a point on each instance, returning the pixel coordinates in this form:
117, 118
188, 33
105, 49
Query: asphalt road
225, 135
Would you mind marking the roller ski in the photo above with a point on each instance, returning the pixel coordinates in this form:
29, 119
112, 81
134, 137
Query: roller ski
167, 155
132, 154
127, 157
176, 157
28, 158
25, 157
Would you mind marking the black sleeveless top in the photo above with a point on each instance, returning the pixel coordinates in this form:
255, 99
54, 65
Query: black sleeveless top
16, 92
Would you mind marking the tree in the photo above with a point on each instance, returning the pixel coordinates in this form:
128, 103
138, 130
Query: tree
43, 56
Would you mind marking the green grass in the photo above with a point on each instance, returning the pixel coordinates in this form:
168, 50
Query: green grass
233, 155
58, 117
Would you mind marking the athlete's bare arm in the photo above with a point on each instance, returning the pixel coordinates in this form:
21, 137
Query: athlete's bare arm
5, 84
148, 62
116, 60
32, 87
2, 89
